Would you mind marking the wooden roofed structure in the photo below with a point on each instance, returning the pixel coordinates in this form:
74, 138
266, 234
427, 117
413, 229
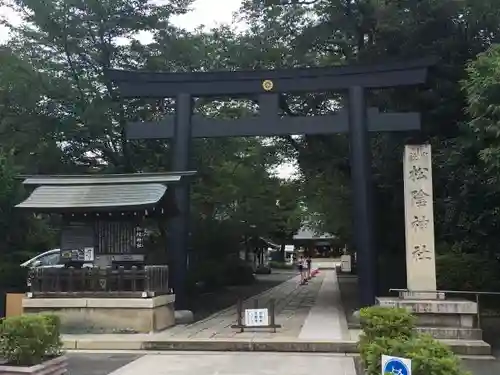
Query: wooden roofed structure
103, 223
103, 215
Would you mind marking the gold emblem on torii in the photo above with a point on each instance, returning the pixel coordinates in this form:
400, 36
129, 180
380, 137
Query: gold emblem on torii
267, 85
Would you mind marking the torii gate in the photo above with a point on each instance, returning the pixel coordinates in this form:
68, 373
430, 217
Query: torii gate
267, 85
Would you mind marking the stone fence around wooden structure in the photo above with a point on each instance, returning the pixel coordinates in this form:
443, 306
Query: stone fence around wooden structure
103, 300
150, 281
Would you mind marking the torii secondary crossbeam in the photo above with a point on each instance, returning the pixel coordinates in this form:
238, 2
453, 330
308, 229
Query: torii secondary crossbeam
358, 120
266, 126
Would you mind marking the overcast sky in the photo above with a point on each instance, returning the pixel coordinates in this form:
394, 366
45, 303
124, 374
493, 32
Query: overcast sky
204, 12
209, 13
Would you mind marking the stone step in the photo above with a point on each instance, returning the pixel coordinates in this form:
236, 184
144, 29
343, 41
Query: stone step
452, 333
469, 347
460, 347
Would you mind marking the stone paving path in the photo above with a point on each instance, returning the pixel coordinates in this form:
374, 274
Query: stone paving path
305, 312
326, 319
293, 303
239, 364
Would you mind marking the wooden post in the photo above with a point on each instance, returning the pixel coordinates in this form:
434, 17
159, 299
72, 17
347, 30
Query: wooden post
239, 311
272, 313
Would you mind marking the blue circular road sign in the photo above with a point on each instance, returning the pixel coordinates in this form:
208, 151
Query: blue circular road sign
396, 367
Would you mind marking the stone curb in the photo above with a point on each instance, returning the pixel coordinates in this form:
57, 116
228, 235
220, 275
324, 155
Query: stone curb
215, 345
459, 347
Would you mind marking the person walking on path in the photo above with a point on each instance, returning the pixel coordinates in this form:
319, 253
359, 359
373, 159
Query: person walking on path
308, 262
301, 266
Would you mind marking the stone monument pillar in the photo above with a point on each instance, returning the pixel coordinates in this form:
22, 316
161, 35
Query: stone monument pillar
419, 221
452, 319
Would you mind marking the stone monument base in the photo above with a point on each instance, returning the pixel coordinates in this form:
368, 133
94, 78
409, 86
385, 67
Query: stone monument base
108, 315
422, 295
444, 319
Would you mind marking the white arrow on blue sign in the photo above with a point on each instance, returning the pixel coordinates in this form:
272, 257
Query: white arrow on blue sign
395, 365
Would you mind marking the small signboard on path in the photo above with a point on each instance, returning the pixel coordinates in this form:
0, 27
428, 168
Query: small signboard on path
256, 317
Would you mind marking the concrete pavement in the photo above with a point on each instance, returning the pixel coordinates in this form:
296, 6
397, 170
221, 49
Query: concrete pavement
98, 363
326, 319
325, 263
239, 364
121, 363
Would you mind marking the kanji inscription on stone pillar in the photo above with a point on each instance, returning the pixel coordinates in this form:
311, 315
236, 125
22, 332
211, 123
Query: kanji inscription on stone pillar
419, 220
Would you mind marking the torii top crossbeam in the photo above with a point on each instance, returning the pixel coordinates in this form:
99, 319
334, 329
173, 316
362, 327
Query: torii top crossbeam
134, 84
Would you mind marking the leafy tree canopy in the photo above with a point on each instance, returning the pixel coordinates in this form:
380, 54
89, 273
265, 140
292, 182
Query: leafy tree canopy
60, 113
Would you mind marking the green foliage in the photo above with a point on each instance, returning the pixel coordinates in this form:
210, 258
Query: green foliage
281, 265
29, 339
390, 331
263, 270
22, 235
429, 356
377, 321
53, 338
13, 277
482, 87
470, 272
287, 214
210, 275
60, 52
59, 114
238, 273
337, 32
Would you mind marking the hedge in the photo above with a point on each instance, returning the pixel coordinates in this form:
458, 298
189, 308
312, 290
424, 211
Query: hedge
28, 340
281, 265
390, 331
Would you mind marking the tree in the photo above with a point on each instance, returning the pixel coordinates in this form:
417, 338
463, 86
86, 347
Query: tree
74, 43
22, 235
479, 146
28, 124
339, 32
27, 145
59, 98
288, 214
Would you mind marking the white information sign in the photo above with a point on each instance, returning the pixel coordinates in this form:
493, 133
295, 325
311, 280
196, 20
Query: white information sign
345, 263
395, 365
88, 254
256, 317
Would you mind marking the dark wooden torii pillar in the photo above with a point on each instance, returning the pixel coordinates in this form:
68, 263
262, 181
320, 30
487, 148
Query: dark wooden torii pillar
358, 120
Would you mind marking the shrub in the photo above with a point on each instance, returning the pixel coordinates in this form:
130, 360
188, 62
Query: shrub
429, 356
53, 326
263, 270
209, 273
459, 271
390, 331
378, 321
28, 339
13, 277
214, 274
238, 272
281, 265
